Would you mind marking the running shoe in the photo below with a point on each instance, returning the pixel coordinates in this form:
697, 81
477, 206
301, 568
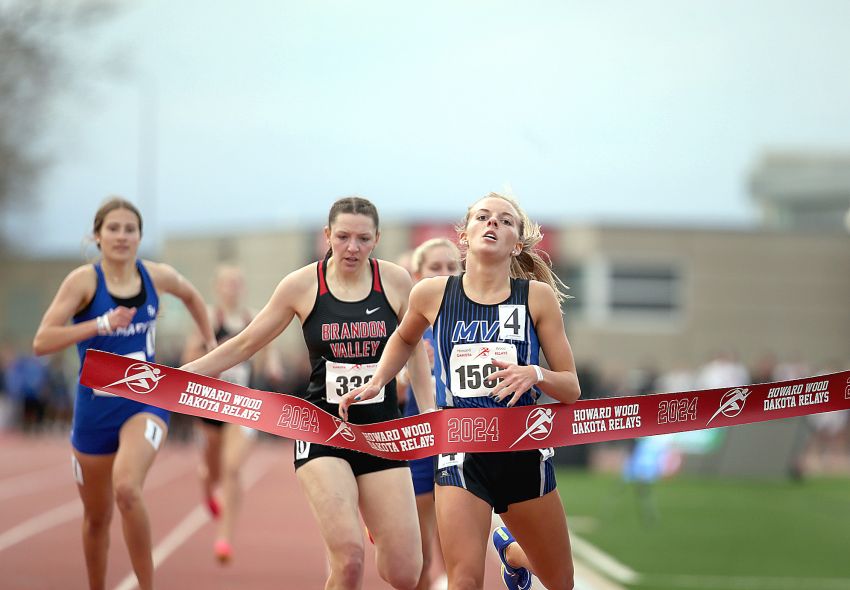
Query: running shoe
515, 578
223, 551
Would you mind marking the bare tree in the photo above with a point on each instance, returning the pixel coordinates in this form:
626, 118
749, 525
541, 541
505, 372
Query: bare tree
37, 66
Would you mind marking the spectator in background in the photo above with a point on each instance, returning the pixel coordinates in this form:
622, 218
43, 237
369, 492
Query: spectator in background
793, 368
723, 370
60, 404
824, 444
764, 368
678, 379
7, 409
28, 387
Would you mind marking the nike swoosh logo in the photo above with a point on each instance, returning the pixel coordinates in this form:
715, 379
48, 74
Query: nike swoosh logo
371, 311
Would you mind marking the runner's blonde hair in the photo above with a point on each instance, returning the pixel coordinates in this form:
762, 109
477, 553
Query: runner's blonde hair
531, 262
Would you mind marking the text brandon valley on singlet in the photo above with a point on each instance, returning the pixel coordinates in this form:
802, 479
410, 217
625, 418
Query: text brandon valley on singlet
343, 338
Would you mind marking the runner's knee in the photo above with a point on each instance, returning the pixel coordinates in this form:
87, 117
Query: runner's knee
127, 496
402, 574
402, 580
347, 563
97, 522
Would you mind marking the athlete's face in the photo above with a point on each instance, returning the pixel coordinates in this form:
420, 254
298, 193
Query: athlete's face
492, 227
352, 237
229, 286
119, 236
439, 261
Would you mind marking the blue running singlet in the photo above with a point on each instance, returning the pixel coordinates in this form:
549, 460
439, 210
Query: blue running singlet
98, 416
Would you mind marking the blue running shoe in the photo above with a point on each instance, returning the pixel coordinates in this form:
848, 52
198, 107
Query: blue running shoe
515, 578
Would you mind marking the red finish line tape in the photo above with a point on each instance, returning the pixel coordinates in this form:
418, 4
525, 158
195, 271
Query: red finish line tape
462, 430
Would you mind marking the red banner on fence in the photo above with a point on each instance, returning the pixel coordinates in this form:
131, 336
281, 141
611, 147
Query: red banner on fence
465, 430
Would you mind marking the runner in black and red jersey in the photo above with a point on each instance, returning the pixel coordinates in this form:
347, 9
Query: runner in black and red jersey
349, 305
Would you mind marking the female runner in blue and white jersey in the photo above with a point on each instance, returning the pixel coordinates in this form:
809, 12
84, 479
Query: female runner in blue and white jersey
437, 257
112, 306
489, 324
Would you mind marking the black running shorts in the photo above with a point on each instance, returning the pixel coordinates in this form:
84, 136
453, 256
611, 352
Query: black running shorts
500, 479
361, 463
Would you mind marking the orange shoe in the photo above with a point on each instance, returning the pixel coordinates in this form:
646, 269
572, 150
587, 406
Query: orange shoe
223, 551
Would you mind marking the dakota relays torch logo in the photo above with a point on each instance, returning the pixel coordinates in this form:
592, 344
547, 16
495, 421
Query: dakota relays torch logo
732, 403
140, 378
538, 425
342, 429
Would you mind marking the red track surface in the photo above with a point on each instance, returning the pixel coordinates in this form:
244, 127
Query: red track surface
277, 543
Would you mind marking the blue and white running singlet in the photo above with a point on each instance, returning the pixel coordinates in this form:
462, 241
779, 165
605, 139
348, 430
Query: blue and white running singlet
98, 416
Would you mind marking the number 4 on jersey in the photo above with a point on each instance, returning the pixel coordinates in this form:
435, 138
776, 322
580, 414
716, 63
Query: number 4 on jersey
511, 322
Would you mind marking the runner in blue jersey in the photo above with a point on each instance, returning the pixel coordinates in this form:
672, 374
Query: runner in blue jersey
437, 257
348, 304
489, 324
112, 305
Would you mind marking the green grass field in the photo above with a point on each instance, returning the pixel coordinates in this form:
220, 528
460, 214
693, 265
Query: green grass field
709, 533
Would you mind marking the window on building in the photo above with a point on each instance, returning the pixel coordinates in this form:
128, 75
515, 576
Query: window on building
644, 288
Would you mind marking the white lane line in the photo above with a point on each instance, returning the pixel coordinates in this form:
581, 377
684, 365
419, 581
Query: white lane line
190, 525
601, 561
178, 535
27, 483
40, 523
683, 581
71, 510
587, 578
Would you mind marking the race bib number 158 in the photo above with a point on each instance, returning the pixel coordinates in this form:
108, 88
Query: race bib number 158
471, 367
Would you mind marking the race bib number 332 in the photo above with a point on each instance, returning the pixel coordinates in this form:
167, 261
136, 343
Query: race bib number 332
340, 378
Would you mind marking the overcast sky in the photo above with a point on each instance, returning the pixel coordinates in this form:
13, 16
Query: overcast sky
258, 114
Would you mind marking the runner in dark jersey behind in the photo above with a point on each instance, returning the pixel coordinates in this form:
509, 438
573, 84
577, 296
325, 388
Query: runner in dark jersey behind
112, 305
349, 305
225, 446
489, 325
